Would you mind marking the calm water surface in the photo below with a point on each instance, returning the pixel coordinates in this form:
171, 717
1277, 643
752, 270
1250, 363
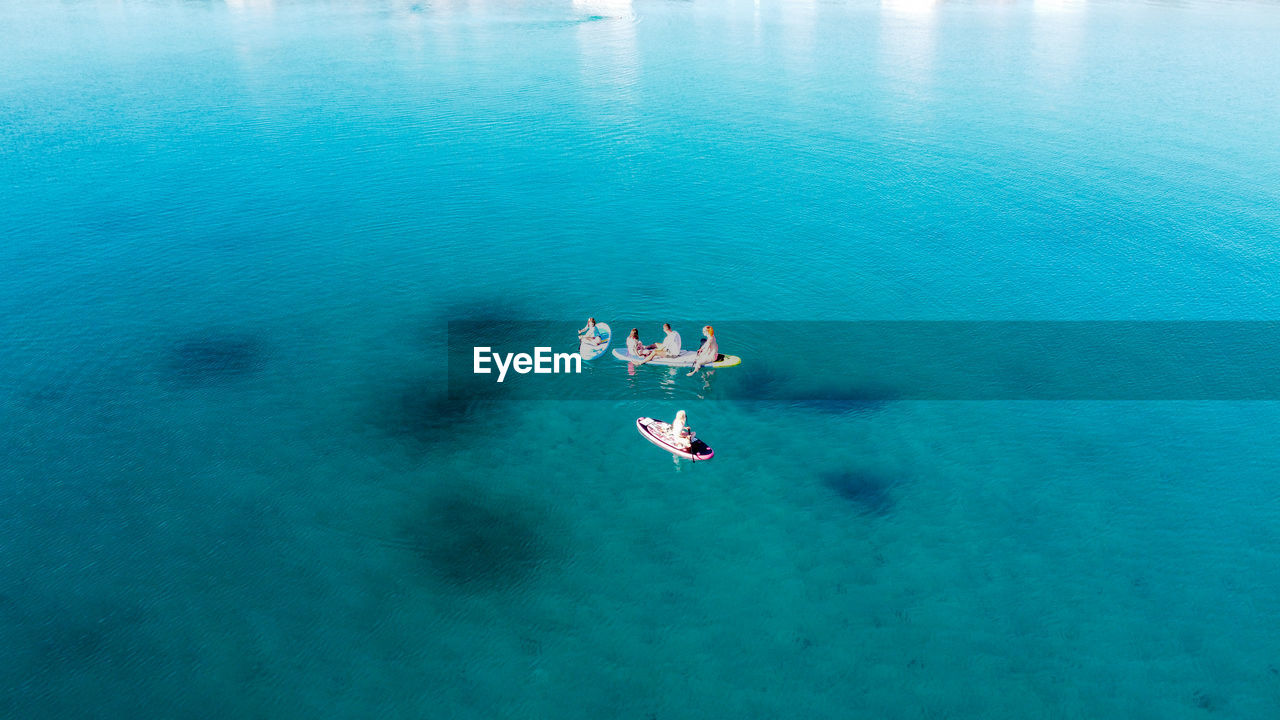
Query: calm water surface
232, 484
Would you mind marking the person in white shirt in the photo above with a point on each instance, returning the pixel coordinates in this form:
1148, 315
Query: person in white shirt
670, 346
681, 434
590, 334
709, 352
636, 348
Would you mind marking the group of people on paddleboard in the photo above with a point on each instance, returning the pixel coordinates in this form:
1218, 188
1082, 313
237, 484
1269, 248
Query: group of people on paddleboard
680, 435
670, 346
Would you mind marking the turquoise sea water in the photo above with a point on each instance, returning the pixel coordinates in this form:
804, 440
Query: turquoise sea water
232, 484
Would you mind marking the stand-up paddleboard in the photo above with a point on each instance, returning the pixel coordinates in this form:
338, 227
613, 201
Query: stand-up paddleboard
659, 433
684, 359
591, 351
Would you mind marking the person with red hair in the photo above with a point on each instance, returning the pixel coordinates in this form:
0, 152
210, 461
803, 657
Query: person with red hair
709, 352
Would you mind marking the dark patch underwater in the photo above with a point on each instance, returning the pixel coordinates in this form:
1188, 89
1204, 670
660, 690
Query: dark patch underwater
473, 542
867, 492
215, 358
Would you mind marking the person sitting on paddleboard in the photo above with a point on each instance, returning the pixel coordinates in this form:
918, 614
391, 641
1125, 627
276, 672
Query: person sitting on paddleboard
670, 346
709, 352
636, 348
590, 333
681, 434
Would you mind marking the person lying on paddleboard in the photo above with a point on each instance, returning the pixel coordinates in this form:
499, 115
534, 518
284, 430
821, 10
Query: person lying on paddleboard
636, 348
709, 352
670, 346
681, 434
590, 333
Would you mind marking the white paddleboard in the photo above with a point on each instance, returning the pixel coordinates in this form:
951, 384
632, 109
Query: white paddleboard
591, 351
684, 359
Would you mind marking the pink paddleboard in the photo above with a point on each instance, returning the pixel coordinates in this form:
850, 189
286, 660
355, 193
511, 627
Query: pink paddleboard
659, 433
